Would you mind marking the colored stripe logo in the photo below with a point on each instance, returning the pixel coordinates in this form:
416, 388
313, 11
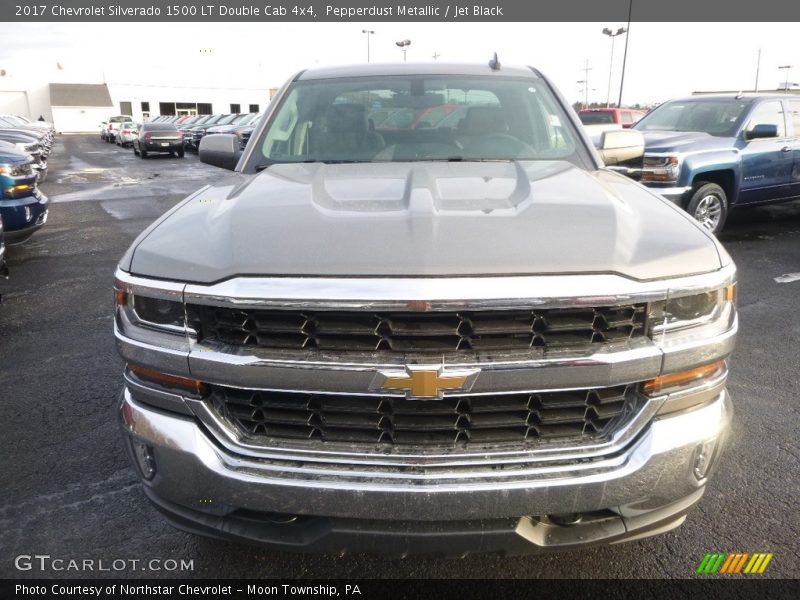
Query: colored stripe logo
734, 563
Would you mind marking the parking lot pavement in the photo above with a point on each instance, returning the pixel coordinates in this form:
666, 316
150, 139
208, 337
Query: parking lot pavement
68, 488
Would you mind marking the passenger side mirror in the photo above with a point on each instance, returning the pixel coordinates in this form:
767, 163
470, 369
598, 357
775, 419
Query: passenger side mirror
220, 150
761, 131
619, 145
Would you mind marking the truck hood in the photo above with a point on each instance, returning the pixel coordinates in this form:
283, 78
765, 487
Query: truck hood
422, 219
671, 141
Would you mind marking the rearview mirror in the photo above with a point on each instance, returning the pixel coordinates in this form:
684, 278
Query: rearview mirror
220, 150
761, 131
619, 145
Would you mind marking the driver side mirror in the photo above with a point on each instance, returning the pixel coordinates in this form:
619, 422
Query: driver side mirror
220, 150
761, 131
619, 145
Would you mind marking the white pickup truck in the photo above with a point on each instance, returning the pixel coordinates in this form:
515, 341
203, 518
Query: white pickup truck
108, 129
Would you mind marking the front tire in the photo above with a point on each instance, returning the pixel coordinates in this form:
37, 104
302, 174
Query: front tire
709, 206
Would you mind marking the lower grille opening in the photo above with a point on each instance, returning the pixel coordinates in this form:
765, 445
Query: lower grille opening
450, 422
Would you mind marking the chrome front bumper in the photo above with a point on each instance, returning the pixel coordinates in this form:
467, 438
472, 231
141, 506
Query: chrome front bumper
644, 488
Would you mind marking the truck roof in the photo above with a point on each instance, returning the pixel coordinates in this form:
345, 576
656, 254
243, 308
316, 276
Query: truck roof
431, 68
735, 95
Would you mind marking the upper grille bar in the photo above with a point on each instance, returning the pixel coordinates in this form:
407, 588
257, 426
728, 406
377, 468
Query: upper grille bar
370, 331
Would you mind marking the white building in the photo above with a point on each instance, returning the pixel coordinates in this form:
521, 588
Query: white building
79, 101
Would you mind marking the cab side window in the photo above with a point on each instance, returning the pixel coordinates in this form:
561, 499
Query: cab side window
768, 113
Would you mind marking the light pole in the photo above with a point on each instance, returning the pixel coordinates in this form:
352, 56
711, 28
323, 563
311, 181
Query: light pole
625, 54
403, 45
369, 32
612, 35
758, 68
788, 68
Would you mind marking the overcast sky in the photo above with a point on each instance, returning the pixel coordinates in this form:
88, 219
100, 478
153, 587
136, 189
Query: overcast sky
664, 59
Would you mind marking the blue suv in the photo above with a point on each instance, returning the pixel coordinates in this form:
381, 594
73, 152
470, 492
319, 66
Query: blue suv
712, 153
23, 208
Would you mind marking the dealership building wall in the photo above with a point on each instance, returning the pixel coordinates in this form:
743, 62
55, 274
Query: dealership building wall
33, 99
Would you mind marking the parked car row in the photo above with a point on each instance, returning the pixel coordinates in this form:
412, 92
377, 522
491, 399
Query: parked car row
23, 208
195, 128
123, 131
34, 138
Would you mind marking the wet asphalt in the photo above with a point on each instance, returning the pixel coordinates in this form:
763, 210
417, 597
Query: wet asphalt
69, 491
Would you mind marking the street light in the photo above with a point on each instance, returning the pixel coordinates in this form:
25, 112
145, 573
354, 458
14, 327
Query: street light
788, 68
625, 54
369, 32
612, 35
403, 44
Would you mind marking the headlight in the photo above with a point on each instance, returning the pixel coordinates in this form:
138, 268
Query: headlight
6, 169
689, 311
660, 168
157, 313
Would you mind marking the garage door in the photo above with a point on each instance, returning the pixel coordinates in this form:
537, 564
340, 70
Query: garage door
13, 103
80, 120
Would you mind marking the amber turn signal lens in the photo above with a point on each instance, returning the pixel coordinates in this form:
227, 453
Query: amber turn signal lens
192, 385
682, 378
120, 297
730, 293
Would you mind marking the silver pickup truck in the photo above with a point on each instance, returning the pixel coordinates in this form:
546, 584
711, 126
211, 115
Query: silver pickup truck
446, 329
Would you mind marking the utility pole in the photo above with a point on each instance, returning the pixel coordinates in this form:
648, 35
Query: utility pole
586, 70
436, 55
787, 68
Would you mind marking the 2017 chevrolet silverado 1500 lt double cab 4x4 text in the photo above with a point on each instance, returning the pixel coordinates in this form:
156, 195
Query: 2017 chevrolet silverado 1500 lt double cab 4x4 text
466, 338
710, 154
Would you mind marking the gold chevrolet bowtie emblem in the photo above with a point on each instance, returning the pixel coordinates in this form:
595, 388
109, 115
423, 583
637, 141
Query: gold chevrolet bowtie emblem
424, 382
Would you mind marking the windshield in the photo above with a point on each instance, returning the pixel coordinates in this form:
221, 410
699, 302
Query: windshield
225, 120
418, 118
717, 116
600, 117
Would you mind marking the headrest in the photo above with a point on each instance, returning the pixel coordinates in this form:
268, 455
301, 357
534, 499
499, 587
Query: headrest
481, 120
347, 118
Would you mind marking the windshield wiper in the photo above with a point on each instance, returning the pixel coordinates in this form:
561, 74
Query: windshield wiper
268, 164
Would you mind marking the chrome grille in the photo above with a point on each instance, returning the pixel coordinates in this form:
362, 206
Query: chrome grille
418, 331
448, 422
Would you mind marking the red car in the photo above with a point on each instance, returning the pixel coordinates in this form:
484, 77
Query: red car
608, 116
